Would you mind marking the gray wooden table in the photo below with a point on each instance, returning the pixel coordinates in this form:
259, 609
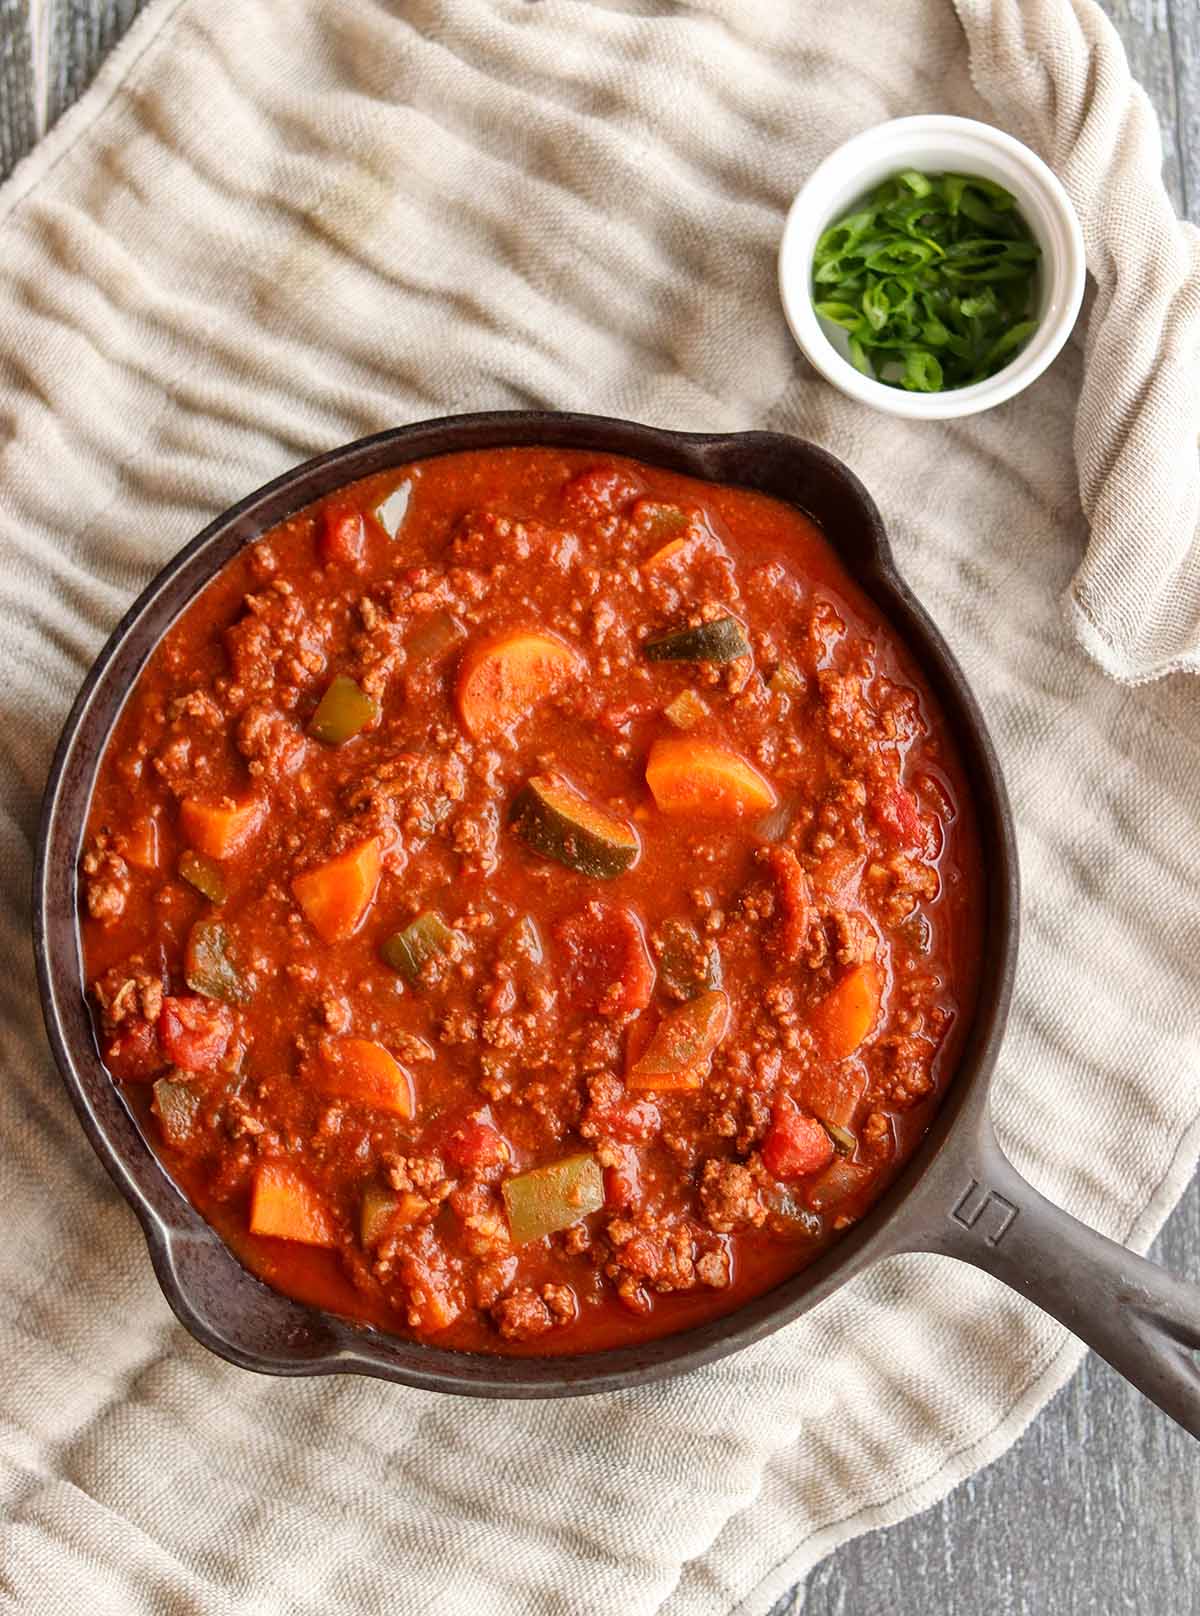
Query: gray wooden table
1097, 1509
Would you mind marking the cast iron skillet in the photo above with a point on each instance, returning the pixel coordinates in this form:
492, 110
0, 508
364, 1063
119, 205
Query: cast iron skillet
958, 1194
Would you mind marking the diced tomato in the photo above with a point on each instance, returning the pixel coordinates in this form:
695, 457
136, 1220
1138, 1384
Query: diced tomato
133, 1055
622, 1179
628, 1119
194, 1032
796, 1145
599, 490
896, 813
343, 538
616, 720
608, 966
475, 1146
793, 902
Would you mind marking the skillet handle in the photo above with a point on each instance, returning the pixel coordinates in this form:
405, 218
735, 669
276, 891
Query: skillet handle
1145, 1322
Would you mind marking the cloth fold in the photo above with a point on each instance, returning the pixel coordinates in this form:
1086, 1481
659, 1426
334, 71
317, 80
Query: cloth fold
1056, 76
269, 229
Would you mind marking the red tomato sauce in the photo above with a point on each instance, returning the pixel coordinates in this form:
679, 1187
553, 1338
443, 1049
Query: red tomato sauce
531, 901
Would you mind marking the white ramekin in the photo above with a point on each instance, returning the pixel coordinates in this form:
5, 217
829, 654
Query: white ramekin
934, 144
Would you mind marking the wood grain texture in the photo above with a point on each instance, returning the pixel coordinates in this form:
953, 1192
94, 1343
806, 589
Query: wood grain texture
18, 126
79, 34
1154, 32
1094, 1512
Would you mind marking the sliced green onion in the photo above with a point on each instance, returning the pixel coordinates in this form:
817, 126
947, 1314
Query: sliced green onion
933, 279
922, 373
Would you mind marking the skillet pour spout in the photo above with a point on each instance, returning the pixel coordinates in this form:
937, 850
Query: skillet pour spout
957, 1196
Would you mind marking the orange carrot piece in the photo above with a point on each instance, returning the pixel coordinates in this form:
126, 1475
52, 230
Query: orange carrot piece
662, 557
501, 679
219, 830
285, 1205
846, 1016
336, 895
365, 1073
688, 776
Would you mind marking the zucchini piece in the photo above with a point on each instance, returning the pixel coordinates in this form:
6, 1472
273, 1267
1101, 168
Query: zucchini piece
558, 822
553, 1197
205, 874
207, 966
719, 641
679, 1054
687, 965
425, 938
844, 1141
342, 712
176, 1105
656, 520
687, 710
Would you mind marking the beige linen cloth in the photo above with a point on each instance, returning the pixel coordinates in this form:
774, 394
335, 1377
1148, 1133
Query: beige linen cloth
271, 227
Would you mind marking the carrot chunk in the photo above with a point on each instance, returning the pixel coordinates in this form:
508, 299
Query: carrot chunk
663, 556
688, 776
365, 1073
502, 679
219, 830
285, 1205
336, 895
846, 1016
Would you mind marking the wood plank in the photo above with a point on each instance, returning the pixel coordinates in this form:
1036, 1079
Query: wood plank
1093, 1511
18, 126
1149, 29
80, 33
1185, 51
